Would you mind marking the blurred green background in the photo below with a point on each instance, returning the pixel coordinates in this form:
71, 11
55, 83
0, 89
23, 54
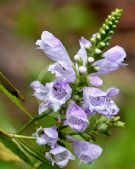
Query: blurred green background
21, 24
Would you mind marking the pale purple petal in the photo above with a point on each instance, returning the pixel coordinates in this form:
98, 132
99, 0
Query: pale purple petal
96, 100
76, 117
62, 73
59, 93
59, 156
112, 61
52, 95
82, 55
40, 91
53, 48
85, 151
82, 51
95, 80
115, 54
112, 91
47, 136
105, 66
43, 106
84, 42
94, 35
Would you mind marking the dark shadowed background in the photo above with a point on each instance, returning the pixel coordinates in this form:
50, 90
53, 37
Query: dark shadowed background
21, 24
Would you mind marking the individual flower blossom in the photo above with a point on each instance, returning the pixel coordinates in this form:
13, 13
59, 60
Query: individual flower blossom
52, 95
59, 156
76, 117
85, 151
54, 49
113, 60
82, 54
47, 136
96, 100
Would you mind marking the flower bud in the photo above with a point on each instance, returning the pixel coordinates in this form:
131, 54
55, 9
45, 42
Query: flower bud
119, 124
87, 45
96, 68
102, 127
82, 69
97, 51
91, 59
76, 57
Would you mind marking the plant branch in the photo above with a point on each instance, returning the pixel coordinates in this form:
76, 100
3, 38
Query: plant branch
34, 119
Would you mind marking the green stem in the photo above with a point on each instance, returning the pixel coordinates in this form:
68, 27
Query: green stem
34, 119
22, 137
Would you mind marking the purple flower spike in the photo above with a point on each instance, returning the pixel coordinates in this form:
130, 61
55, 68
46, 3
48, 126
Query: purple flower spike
52, 95
85, 151
47, 136
54, 49
59, 156
112, 61
76, 117
96, 100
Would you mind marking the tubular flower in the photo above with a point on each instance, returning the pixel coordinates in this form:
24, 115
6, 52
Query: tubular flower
99, 101
52, 95
85, 151
59, 156
76, 117
113, 60
54, 49
47, 136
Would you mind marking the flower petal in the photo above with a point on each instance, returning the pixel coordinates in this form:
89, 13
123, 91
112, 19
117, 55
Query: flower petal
40, 90
85, 151
115, 54
65, 74
96, 81
53, 48
76, 118
112, 91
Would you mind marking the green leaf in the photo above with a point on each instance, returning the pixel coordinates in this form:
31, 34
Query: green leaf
34, 119
15, 100
10, 87
36, 155
15, 147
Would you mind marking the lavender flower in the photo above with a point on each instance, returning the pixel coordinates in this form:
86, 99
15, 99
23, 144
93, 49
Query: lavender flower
85, 151
76, 117
95, 81
52, 95
59, 156
46, 136
82, 54
112, 61
99, 101
54, 49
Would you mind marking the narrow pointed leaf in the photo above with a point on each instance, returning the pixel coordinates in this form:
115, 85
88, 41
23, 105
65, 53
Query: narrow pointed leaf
15, 100
10, 87
15, 147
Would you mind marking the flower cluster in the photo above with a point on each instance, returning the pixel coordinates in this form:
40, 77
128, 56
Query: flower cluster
75, 95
